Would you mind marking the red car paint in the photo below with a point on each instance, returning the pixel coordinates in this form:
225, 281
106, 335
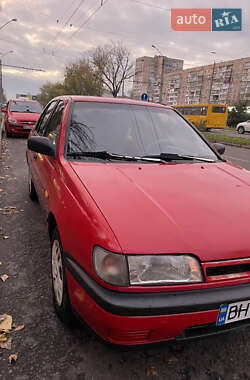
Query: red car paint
201, 209
25, 121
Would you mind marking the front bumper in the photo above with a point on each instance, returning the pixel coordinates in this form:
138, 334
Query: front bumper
141, 318
19, 129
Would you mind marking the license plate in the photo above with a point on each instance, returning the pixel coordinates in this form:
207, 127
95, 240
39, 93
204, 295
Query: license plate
28, 128
233, 312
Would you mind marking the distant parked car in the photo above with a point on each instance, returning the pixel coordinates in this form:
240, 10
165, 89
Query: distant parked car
20, 116
243, 127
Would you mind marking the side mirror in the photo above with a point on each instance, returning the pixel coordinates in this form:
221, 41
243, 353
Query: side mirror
220, 148
3, 109
42, 145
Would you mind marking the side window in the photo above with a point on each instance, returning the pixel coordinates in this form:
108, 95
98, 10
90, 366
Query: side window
53, 125
41, 125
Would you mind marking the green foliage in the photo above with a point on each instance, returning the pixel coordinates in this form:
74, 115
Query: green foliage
237, 114
201, 125
81, 79
49, 91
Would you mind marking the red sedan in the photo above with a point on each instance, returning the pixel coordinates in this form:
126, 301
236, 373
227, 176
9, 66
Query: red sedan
20, 116
149, 226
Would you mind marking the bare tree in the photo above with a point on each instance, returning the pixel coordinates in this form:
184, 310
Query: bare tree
113, 65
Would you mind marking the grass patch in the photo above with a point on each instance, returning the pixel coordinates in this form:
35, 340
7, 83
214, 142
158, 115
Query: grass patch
213, 137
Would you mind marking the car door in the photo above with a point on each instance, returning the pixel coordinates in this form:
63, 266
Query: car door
35, 159
47, 166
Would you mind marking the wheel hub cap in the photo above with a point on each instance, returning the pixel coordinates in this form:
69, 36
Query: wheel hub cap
57, 272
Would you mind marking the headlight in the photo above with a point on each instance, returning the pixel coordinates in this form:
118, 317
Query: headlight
163, 269
13, 121
110, 267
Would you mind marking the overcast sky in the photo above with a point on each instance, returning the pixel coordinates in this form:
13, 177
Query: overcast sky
42, 39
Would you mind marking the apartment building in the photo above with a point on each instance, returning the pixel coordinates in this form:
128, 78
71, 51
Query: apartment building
223, 82
149, 75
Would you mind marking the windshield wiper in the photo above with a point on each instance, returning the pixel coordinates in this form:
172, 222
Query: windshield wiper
175, 156
104, 155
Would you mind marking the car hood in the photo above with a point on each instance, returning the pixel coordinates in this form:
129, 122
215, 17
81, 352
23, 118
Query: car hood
203, 209
26, 116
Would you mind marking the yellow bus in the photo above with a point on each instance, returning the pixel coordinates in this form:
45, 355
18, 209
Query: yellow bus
205, 115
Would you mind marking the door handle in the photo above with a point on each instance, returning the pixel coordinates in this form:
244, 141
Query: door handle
35, 156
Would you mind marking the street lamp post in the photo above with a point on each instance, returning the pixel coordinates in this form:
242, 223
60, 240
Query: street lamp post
1, 74
161, 83
2, 55
212, 78
13, 19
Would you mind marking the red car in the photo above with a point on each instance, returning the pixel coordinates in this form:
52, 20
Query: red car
20, 116
149, 226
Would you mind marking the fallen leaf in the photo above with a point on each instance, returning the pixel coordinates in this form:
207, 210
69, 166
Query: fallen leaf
4, 277
2, 338
12, 358
9, 210
152, 372
5, 322
1, 190
7, 344
0, 262
18, 328
5, 237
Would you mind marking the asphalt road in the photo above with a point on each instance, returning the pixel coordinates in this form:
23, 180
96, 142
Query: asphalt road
239, 156
48, 350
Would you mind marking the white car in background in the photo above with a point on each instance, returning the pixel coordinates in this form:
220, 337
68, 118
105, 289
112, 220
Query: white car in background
243, 127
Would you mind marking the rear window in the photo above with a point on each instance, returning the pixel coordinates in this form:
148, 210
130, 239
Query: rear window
217, 109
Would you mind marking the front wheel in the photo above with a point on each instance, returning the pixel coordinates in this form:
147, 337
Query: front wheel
59, 283
241, 130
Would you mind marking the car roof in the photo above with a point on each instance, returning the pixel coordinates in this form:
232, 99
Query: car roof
99, 99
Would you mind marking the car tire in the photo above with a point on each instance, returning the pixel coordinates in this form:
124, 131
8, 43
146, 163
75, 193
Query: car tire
241, 130
59, 283
32, 191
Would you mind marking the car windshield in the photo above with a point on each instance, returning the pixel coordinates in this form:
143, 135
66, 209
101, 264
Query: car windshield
132, 130
23, 107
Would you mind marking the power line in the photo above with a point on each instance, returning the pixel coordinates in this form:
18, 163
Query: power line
69, 18
151, 5
66, 11
89, 18
24, 68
